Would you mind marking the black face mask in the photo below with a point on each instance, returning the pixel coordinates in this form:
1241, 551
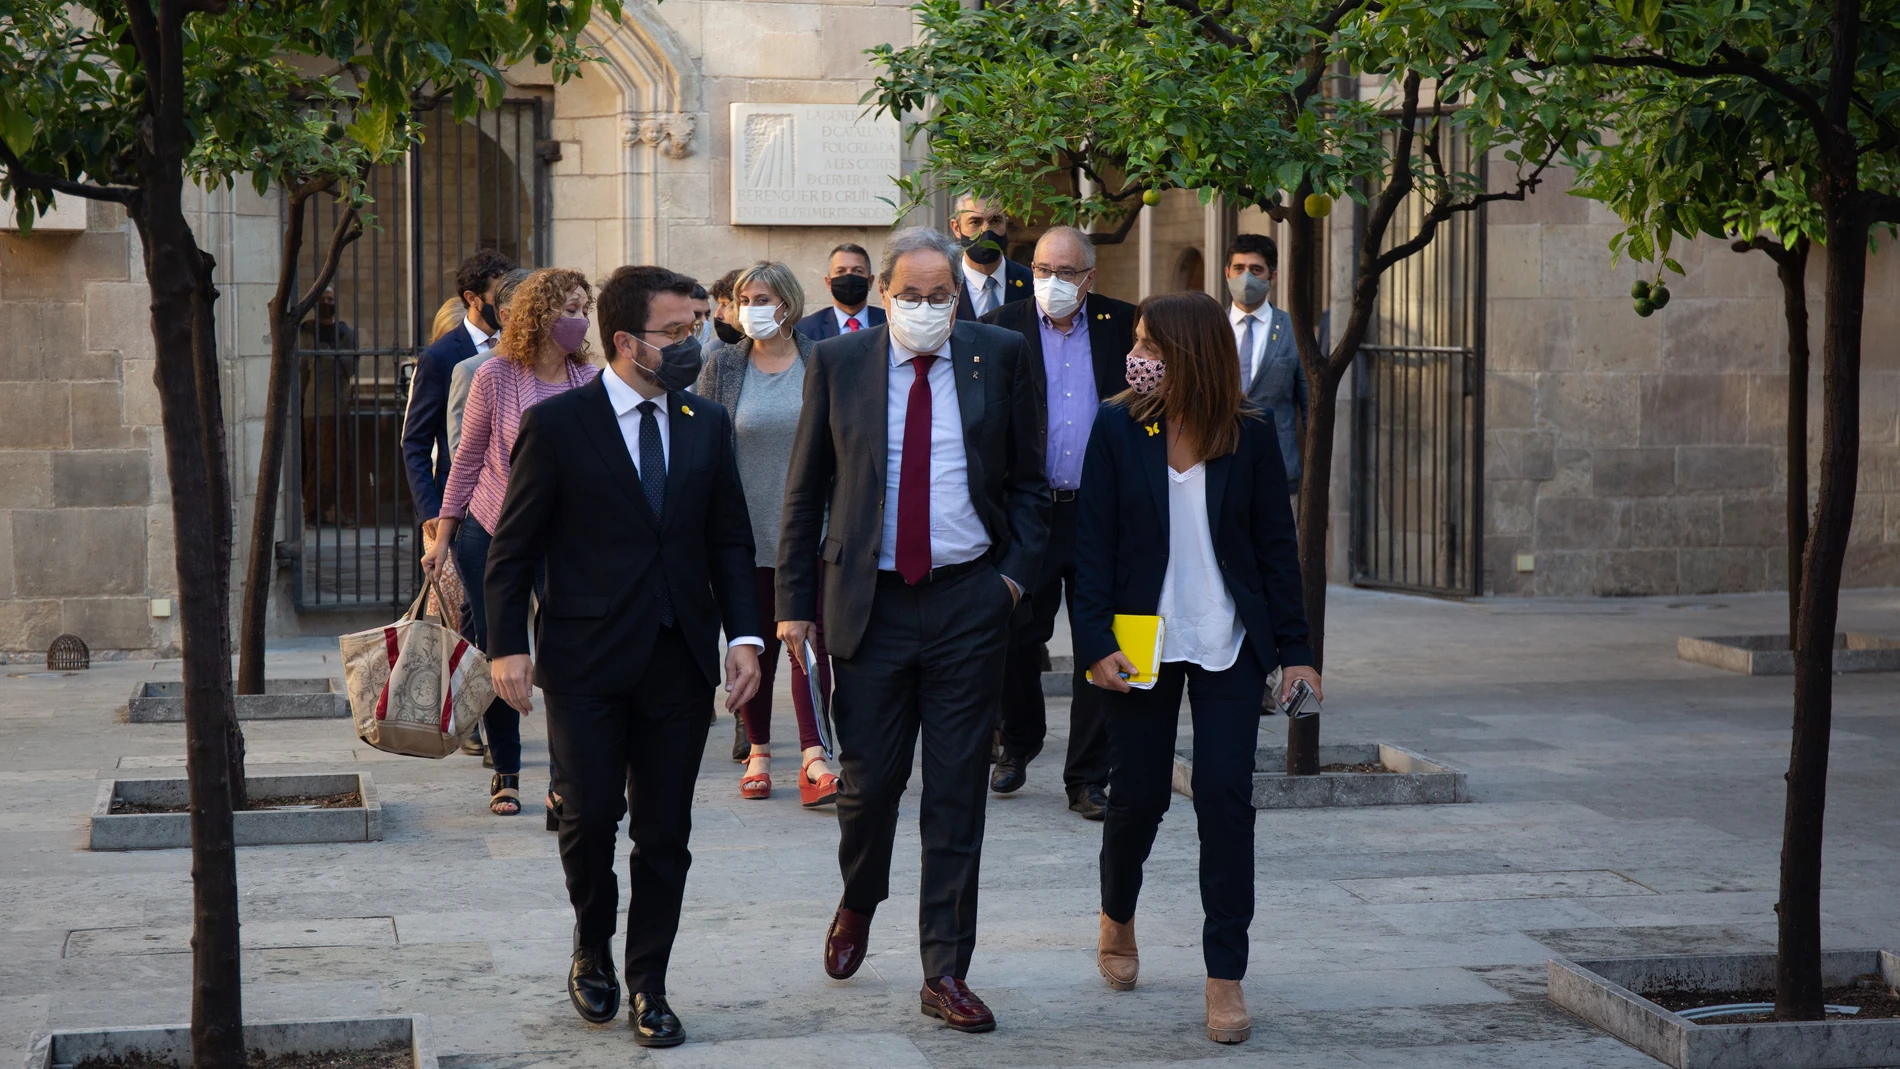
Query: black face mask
985, 248
850, 290
728, 333
679, 365
490, 316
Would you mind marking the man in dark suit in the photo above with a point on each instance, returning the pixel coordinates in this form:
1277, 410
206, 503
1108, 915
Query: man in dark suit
848, 277
1078, 350
425, 428
1270, 373
919, 440
988, 279
627, 487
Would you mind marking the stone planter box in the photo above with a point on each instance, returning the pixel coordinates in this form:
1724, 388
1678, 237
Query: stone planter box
68, 1048
283, 699
267, 827
1603, 992
1414, 780
1768, 655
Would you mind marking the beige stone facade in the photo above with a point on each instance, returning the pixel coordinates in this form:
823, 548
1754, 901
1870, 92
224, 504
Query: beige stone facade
1625, 456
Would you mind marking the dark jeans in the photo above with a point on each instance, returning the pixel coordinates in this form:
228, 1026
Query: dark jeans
1141, 729
932, 663
641, 749
1025, 717
758, 711
501, 721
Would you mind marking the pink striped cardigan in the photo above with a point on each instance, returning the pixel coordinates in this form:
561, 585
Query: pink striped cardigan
501, 392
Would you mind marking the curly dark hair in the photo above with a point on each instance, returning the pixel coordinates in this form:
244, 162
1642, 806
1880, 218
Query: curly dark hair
473, 275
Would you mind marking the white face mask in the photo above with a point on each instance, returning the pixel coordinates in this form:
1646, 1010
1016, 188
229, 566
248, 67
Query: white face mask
1056, 297
759, 321
705, 332
924, 329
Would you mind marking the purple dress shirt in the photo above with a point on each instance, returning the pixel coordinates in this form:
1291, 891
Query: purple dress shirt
1070, 370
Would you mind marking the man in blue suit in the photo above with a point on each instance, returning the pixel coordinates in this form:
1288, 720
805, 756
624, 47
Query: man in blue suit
425, 428
1270, 372
989, 280
848, 277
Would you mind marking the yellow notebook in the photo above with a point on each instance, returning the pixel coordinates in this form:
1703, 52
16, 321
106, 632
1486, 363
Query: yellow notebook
1140, 639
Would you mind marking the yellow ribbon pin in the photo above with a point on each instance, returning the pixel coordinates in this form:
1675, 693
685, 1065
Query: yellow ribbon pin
686, 410
1152, 429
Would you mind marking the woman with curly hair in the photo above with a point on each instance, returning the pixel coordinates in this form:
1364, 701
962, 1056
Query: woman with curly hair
543, 352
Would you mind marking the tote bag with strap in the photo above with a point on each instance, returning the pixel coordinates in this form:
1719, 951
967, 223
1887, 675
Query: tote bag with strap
416, 686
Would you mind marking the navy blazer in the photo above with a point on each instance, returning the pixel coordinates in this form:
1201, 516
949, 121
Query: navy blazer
1018, 285
823, 323
1121, 536
425, 427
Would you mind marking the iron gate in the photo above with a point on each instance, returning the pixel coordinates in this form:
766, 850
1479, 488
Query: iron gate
471, 185
1418, 415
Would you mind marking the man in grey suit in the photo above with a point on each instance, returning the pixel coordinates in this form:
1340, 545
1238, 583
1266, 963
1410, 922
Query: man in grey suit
1270, 371
920, 438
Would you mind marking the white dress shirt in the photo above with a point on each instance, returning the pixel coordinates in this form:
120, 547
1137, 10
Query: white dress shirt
1202, 625
1262, 328
976, 282
483, 340
626, 403
957, 533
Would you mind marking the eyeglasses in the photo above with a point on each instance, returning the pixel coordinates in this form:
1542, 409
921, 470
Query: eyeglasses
1071, 276
678, 333
910, 302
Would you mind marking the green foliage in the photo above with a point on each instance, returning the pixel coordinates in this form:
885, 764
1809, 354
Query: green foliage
265, 82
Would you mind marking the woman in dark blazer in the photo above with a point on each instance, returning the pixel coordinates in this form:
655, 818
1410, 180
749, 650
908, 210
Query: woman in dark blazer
1184, 514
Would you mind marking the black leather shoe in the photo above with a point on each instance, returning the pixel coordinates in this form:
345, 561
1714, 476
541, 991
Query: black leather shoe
654, 1024
1009, 774
1090, 800
592, 986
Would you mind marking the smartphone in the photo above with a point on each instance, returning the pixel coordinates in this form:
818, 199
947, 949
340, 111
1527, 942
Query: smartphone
1303, 703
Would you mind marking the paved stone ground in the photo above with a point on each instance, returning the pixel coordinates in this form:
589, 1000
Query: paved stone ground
1385, 937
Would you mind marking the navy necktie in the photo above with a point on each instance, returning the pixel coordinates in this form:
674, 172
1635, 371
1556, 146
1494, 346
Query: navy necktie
653, 481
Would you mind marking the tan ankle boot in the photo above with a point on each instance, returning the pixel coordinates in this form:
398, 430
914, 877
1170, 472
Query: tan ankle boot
1227, 1020
1115, 954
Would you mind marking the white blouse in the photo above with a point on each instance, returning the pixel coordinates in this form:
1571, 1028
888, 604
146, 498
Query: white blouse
1202, 626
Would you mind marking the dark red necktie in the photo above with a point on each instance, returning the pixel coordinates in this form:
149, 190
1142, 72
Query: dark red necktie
913, 479
851, 323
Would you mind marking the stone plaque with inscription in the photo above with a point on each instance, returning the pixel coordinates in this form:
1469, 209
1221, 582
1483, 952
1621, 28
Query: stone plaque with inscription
813, 165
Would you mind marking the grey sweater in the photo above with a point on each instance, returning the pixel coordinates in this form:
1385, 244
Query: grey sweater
764, 412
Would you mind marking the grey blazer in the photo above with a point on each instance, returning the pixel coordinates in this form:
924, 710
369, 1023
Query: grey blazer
1279, 387
460, 379
722, 378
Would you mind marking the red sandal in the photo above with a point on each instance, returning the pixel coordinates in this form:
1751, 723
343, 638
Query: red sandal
812, 795
757, 785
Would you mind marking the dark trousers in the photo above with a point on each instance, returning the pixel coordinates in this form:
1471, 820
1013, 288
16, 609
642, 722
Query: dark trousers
1025, 719
643, 748
932, 662
758, 711
501, 721
1141, 728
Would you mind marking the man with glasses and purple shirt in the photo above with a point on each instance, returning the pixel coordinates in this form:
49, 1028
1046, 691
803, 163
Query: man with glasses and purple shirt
1078, 347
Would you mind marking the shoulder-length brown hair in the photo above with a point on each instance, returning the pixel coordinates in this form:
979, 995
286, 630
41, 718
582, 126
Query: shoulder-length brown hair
538, 302
1201, 391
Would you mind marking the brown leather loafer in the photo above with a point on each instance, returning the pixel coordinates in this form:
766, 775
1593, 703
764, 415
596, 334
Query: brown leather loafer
950, 1000
846, 942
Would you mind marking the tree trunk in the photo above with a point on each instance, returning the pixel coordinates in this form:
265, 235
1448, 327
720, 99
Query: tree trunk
1798, 958
1792, 266
1316, 461
204, 349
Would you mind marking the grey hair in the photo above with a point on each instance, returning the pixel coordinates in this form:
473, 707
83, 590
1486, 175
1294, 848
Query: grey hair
781, 281
916, 239
1081, 239
508, 283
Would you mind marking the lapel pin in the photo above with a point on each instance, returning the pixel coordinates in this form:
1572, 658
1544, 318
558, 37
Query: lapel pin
1152, 429
686, 409
1019, 283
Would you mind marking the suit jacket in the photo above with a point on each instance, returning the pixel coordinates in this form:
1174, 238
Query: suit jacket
461, 377
1121, 536
1018, 285
1111, 335
1279, 387
425, 430
839, 464
823, 323
575, 500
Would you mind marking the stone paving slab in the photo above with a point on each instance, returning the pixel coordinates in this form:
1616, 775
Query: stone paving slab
1588, 746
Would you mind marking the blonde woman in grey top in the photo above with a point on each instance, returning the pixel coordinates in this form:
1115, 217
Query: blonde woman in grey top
761, 381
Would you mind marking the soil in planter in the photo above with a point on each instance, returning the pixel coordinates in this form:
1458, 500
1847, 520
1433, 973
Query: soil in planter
344, 800
387, 1056
1877, 1003
1348, 767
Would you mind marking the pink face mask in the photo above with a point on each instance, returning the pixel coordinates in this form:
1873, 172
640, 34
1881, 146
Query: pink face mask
570, 333
1144, 374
